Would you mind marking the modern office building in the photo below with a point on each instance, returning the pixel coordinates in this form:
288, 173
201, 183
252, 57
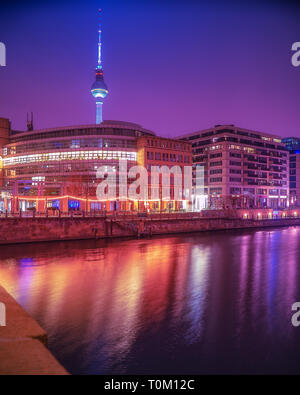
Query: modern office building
56, 168
171, 154
4, 138
243, 168
293, 145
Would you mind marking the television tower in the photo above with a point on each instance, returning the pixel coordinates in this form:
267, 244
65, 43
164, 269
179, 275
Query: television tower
99, 88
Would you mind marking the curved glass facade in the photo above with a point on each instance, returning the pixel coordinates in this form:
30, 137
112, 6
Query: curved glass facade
57, 168
64, 161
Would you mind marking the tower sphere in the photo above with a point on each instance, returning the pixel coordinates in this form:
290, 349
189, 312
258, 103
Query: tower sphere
99, 88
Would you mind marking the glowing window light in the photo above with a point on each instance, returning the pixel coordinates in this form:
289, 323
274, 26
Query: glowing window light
78, 155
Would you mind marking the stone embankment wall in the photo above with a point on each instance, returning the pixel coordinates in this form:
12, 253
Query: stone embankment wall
21, 230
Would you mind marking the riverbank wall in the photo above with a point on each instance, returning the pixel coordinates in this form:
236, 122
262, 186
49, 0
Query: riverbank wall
23, 230
23, 343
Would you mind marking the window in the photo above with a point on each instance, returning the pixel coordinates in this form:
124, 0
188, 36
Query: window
215, 190
235, 191
235, 155
234, 163
244, 141
216, 179
218, 155
219, 163
216, 171
249, 150
233, 146
249, 191
75, 144
261, 191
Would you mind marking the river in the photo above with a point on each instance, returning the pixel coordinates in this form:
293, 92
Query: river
215, 302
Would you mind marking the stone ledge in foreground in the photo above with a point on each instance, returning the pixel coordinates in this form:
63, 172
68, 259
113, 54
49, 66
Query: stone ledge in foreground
27, 357
19, 324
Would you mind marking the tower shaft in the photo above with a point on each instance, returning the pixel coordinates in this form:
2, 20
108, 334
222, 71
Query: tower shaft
99, 112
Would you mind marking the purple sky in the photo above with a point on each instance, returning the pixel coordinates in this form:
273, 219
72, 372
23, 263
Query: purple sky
172, 67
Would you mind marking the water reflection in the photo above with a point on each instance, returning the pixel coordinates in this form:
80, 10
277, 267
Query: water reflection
209, 303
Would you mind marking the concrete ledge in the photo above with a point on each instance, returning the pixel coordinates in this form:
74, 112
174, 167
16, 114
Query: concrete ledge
27, 357
19, 324
23, 343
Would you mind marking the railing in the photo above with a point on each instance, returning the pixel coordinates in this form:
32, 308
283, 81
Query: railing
117, 215
52, 214
242, 214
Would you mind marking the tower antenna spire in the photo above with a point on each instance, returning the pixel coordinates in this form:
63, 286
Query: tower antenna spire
99, 89
99, 66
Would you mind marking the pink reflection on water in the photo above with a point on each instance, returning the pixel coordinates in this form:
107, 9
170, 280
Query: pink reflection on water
108, 306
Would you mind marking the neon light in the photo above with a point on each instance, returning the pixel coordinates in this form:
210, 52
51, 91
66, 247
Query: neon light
67, 156
54, 198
